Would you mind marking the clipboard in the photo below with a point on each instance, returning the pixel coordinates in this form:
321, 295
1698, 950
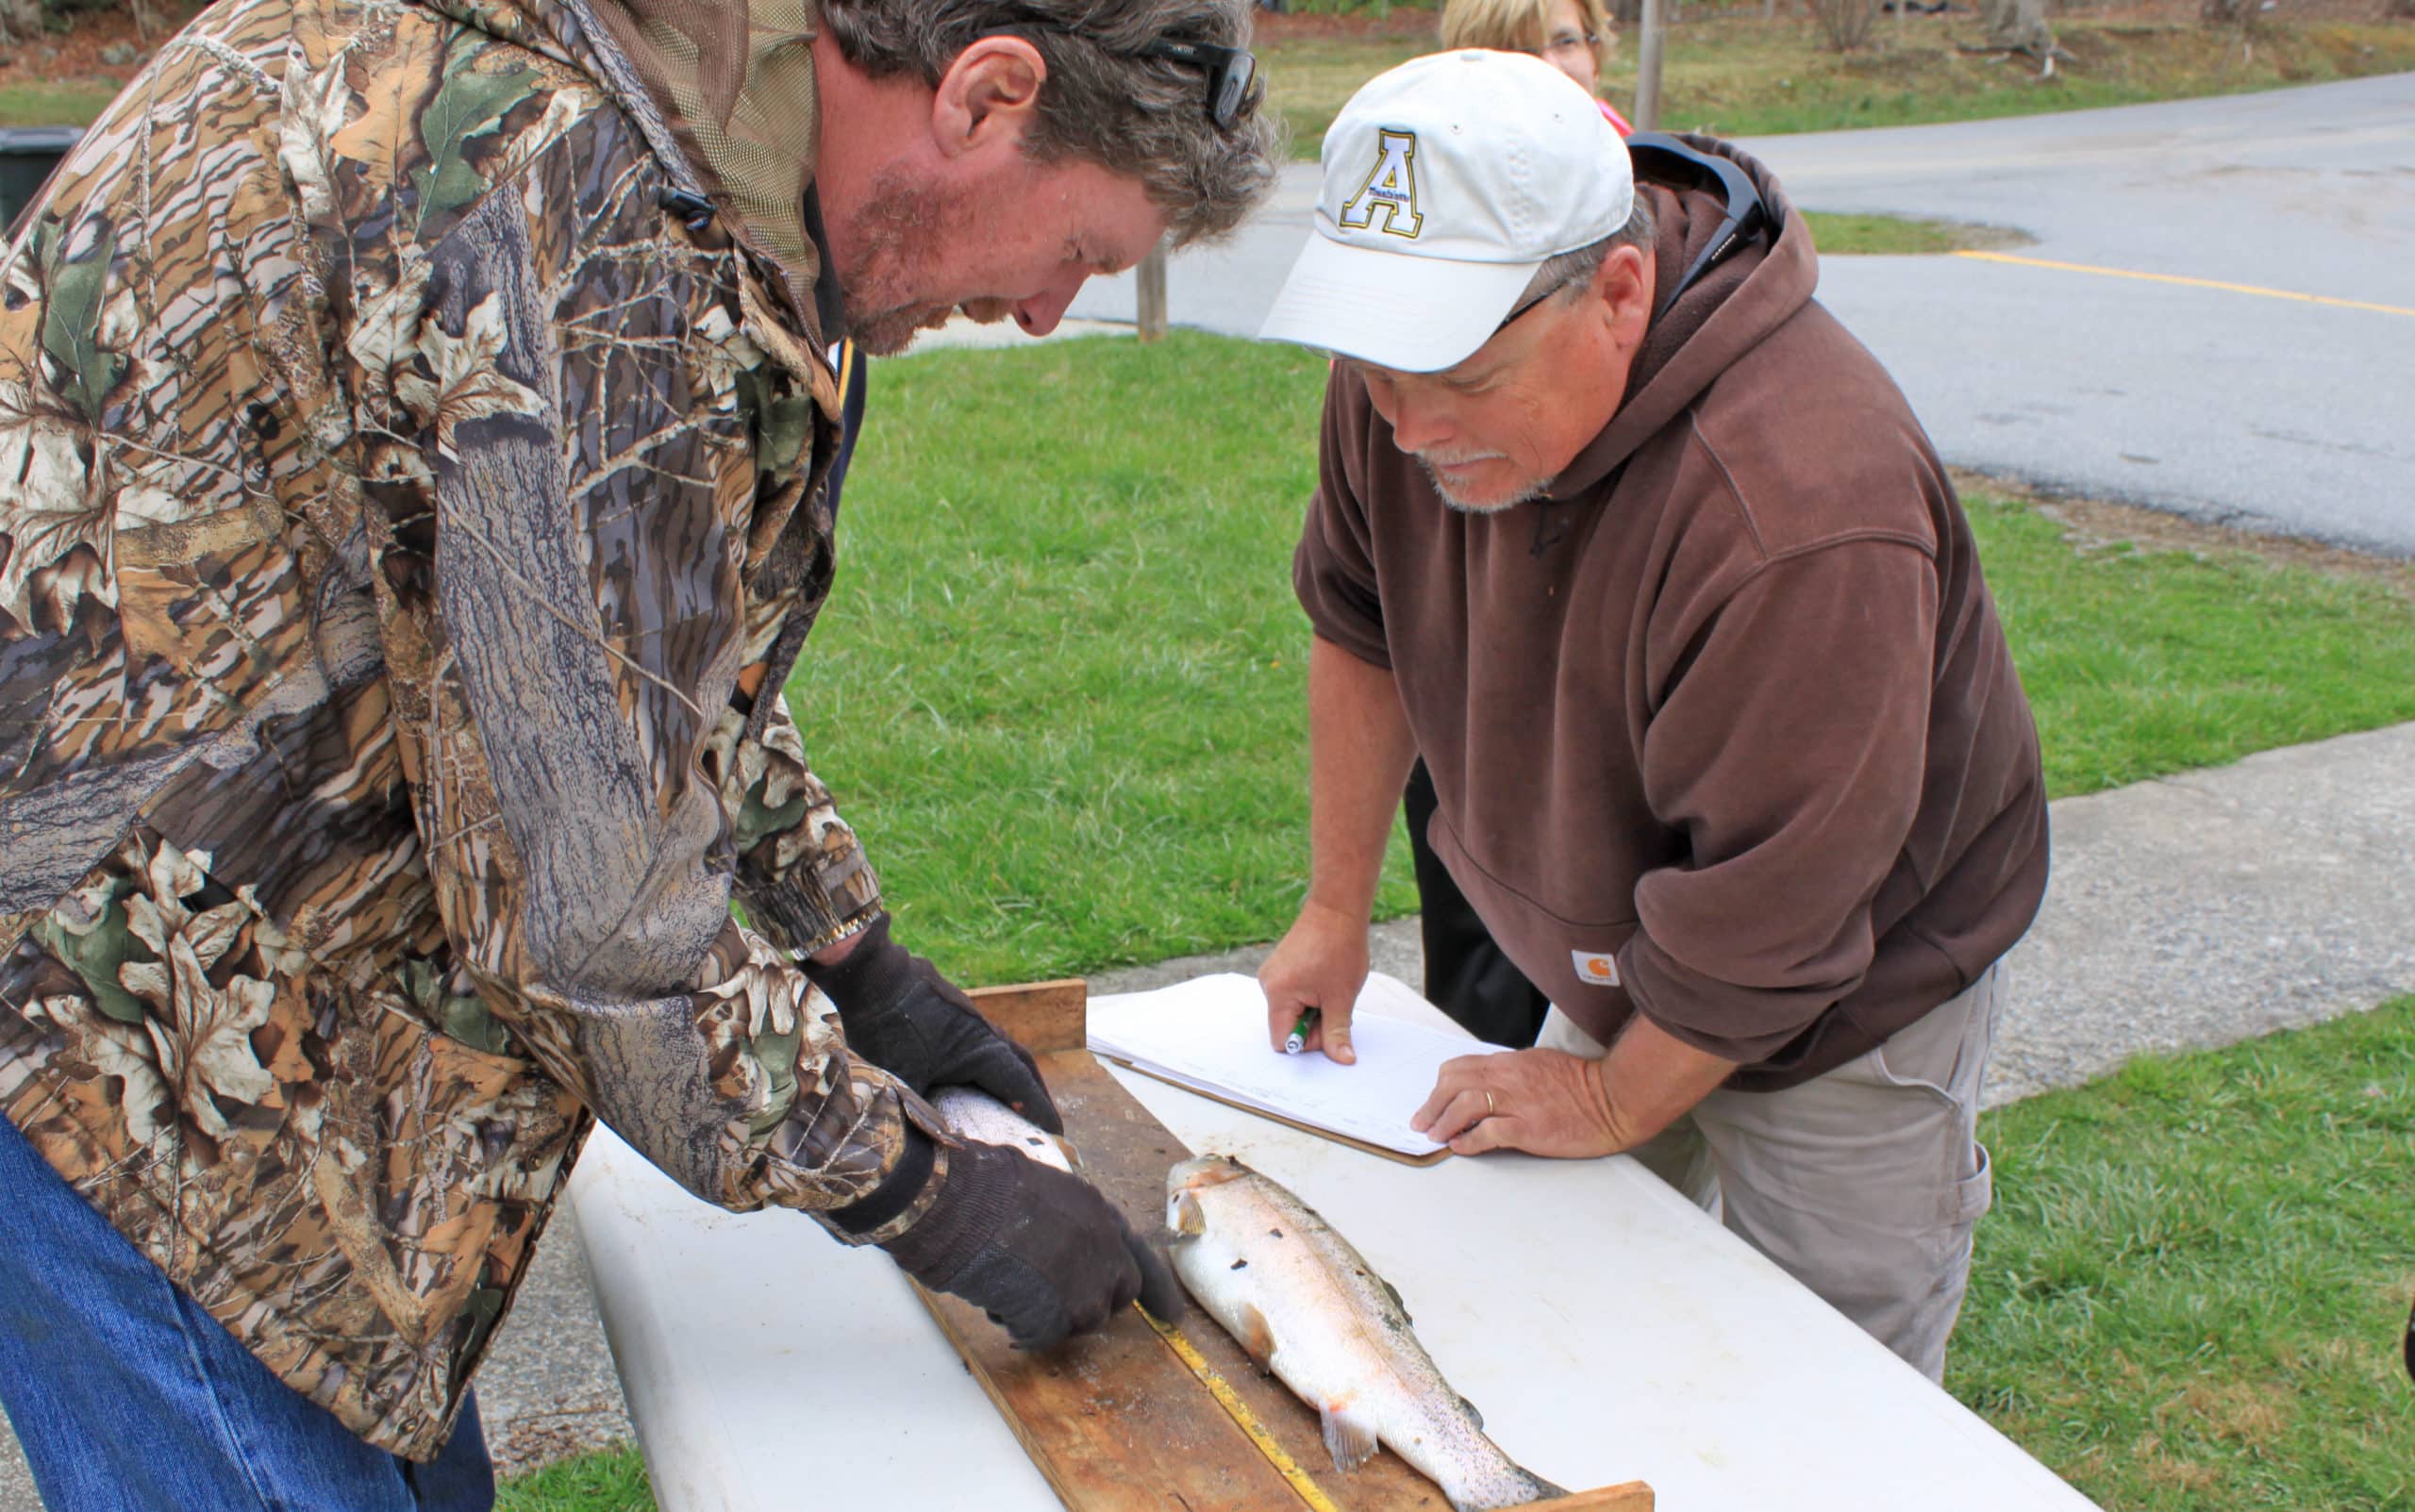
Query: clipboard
1209, 1036
1402, 1157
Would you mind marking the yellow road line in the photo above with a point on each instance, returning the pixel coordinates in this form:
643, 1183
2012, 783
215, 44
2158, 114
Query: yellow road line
2193, 283
1239, 1411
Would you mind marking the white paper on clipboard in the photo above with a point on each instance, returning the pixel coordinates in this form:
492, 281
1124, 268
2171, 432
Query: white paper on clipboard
1210, 1034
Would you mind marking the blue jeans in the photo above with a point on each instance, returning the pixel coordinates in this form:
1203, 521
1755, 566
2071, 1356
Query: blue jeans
126, 1395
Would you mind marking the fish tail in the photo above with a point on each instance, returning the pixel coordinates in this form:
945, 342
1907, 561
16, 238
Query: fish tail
1536, 1488
1518, 1487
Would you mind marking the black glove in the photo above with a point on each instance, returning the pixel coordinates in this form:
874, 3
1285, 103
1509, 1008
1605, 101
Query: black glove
904, 1017
1041, 1252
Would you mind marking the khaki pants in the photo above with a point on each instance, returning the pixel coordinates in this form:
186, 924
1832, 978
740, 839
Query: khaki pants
1864, 1184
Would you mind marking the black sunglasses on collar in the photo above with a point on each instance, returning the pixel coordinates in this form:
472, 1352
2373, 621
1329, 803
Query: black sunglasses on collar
1658, 154
1230, 71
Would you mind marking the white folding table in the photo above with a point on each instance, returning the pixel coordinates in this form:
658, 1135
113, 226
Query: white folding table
1609, 1329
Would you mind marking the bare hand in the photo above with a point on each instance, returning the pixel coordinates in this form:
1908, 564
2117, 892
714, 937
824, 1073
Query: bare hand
1543, 1102
1321, 964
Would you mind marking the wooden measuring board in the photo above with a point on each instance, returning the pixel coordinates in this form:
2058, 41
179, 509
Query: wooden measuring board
1116, 1421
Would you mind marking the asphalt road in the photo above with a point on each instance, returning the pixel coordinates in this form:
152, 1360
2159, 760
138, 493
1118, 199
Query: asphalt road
2236, 404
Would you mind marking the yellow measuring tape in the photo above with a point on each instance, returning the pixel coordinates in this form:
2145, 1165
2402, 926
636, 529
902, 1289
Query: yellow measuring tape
1239, 1411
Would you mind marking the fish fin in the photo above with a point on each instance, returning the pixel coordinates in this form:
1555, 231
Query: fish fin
1473, 1416
1257, 1336
1189, 1219
1349, 1440
1393, 1291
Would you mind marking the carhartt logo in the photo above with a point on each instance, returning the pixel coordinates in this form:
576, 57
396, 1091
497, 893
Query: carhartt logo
1390, 189
1595, 967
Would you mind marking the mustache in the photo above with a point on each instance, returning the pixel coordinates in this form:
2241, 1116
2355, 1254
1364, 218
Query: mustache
1458, 458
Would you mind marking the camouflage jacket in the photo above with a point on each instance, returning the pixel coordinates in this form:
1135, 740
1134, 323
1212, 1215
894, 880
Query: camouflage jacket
411, 422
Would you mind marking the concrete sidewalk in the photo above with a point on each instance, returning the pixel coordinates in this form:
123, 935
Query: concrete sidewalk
2188, 912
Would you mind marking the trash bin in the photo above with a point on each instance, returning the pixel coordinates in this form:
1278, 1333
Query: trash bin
27, 154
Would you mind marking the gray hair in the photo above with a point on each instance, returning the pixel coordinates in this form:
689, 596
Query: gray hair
1570, 269
1143, 118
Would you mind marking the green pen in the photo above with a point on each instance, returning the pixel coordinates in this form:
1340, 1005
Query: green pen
1299, 1040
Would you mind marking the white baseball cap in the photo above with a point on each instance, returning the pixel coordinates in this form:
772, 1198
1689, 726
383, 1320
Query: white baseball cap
1448, 181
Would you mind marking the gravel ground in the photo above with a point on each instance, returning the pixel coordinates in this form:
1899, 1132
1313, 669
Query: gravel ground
2193, 911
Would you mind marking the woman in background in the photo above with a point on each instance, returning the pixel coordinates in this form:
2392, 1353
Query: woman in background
1572, 36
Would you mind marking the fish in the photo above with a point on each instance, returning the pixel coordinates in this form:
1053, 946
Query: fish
978, 1116
1308, 1308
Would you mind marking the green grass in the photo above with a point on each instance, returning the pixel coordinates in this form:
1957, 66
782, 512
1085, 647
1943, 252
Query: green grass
1748, 77
1309, 80
77, 103
2191, 1293
1838, 236
1059, 687
1740, 75
2143, 663
610, 1480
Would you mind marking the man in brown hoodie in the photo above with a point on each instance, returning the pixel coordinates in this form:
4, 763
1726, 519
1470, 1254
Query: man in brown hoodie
1648, 559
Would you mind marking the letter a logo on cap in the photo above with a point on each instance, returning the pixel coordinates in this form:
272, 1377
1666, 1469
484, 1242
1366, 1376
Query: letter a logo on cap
1390, 189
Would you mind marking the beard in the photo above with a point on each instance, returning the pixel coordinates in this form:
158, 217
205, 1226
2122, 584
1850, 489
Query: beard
888, 332
896, 236
1520, 492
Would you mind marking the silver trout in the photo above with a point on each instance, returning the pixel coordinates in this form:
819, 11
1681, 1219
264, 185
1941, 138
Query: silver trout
979, 1117
1308, 1308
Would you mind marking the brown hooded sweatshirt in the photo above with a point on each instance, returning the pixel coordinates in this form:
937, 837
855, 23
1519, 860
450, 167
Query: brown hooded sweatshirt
1724, 729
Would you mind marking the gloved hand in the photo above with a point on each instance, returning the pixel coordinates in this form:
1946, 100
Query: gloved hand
1041, 1252
904, 1017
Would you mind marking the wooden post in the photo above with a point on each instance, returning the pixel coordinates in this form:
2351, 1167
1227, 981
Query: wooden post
1150, 288
1655, 27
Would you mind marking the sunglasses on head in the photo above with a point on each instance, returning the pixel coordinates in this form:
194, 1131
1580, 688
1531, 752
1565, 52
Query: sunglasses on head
1230, 71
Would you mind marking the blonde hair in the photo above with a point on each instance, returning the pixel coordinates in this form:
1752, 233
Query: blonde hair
1510, 25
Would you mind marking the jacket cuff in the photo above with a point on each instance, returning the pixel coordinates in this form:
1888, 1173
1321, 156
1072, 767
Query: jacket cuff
1745, 1024
875, 971
844, 929
801, 917
903, 1197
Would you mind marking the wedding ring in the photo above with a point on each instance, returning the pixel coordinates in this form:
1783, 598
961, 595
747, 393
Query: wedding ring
1490, 1107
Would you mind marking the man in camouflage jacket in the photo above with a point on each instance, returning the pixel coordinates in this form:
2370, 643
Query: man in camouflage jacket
412, 425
